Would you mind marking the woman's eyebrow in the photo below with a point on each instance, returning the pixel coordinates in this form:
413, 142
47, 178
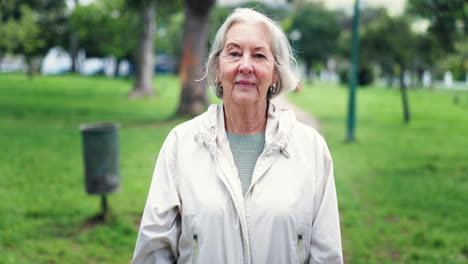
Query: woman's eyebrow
232, 44
261, 48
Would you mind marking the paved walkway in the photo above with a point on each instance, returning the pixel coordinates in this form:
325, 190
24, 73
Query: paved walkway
302, 116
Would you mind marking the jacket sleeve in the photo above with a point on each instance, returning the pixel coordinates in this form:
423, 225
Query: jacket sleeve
325, 245
159, 231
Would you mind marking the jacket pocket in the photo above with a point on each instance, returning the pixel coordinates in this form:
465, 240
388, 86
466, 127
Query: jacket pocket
194, 248
300, 248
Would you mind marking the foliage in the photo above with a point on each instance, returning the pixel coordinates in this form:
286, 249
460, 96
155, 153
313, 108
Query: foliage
448, 19
319, 31
401, 188
105, 28
169, 36
388, 41
365, 75
31, 27
457, 62
22, 32
169, 21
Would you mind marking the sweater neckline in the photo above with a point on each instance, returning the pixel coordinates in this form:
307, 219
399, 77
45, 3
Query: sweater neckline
246, 141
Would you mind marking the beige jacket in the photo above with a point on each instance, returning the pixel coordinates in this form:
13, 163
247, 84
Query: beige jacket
195, 212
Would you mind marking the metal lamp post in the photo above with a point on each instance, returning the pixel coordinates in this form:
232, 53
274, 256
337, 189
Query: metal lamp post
353, 75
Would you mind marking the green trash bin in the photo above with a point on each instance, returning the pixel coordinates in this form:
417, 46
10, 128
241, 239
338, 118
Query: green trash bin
101, 157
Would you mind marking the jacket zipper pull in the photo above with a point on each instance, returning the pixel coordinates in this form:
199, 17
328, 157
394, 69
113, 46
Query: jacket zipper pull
300, 248
194, 248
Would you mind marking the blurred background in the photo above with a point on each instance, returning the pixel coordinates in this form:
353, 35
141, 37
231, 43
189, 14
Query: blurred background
392, 103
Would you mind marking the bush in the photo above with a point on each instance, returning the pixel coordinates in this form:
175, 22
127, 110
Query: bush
365, 76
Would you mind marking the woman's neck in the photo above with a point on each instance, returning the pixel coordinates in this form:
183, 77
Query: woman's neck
245, 119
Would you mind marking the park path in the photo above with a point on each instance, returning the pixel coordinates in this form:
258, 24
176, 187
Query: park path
282, 102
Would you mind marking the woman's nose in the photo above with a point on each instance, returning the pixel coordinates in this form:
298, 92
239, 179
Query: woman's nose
246, 65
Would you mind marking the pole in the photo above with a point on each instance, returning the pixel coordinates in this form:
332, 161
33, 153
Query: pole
353, 75
104, 206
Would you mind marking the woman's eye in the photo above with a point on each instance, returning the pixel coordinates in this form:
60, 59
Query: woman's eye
234, 54
260, 56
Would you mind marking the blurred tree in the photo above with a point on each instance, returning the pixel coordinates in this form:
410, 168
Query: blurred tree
319, 31
145, 48
74, 46
169, 34
193, 98
390, 42
105, 28
31, 28
426, 54
169, 37
448, 19
457, 62
447, 31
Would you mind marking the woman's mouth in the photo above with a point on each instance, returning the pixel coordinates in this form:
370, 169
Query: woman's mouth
244, 83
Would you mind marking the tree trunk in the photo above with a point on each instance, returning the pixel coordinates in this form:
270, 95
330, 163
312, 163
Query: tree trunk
145, 61
420, 72
404, 97
73, 51
116, 68
30, 66
74, 47
193, 99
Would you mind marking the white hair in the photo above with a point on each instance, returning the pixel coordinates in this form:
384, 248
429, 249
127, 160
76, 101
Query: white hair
285, 63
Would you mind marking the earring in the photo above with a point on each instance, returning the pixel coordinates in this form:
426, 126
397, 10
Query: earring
273, 89
218, 84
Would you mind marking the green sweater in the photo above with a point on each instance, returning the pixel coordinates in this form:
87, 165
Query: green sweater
246, 149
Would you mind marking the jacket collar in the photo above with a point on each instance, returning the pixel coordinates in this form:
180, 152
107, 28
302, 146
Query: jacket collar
279, 127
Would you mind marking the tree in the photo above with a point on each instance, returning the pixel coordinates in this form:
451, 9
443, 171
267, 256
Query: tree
319, 32
169, 35
31, 28
145, 49
448, 19
193, 98
105, 28
448, 27
74, 48
390, 42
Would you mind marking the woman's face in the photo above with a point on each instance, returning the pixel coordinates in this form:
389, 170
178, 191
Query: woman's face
246, 64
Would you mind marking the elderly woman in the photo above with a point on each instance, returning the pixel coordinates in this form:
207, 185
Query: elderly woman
244, 182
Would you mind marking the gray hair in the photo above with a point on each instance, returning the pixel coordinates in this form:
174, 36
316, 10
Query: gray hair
285, 63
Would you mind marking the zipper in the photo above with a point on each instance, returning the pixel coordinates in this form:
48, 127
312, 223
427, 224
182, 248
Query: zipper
194, 248
300, 247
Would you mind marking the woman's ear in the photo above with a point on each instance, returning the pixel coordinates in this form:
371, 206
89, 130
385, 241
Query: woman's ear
217, 80
275, 77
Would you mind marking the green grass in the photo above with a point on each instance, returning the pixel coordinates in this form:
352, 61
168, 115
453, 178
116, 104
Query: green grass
45, 214
402, 188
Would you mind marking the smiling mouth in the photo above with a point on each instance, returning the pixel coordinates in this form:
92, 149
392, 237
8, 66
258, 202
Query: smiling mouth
245, 83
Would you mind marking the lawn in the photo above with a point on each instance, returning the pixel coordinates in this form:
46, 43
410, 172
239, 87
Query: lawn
402, 188
45, 214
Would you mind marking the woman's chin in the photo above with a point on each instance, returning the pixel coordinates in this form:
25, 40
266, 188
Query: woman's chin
245, 98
